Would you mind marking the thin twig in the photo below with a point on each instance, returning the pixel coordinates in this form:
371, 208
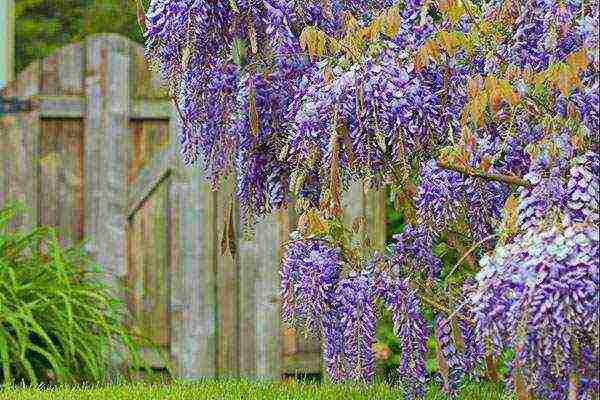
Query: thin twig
176, 104
511, 180
446, 310
475, 246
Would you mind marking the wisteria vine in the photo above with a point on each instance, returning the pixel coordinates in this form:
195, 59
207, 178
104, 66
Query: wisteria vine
481, 116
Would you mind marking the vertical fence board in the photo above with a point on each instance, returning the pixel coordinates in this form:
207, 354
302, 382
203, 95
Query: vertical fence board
370, 205
62, 72
107, 122
158, 293
61, 177
21, 140
49, 160
268, 238
227, 283
248, 258
193, 252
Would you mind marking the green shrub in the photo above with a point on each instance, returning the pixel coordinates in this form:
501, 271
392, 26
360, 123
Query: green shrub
57, 319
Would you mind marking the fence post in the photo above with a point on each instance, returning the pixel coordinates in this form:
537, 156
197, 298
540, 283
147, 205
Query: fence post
19, 148
370, 205
105, 145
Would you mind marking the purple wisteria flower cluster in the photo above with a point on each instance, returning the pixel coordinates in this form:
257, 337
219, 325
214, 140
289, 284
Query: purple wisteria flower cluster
539, 293
319, 297
412, 249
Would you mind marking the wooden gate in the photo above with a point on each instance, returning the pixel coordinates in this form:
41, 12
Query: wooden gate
98, 158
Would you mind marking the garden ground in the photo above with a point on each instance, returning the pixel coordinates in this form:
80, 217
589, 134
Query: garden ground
241, 390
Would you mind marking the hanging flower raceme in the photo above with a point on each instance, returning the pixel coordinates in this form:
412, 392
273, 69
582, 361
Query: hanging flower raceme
412, 249
440, 196
412, 331
538, 294
449, 359
262, 179
356, 296
309, 274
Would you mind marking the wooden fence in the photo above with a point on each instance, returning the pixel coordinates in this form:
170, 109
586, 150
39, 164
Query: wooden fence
98, 158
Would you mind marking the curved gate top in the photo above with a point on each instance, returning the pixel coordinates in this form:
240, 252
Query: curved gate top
96, 155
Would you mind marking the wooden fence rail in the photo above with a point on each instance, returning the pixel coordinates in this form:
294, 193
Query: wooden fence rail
98, 158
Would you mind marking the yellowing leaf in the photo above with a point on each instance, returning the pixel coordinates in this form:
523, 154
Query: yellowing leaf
392, 23
578, 59
495, 100
314, 223
297, 180
563, 82
334, 45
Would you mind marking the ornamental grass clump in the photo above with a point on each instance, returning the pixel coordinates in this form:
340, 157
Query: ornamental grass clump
57, 318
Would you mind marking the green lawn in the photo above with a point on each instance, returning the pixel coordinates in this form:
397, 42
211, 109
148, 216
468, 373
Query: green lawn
239, 390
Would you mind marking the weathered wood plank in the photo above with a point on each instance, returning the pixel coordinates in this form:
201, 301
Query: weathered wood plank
139, 258
107, 97
157, 273
48, 162
62, 71
106, 127
301, 363
135, 161
150, 109
260, 301
369, 205
146, 266
374, 204
249, 257
193, 285
227, 284
57, 107
21, 141
146, 84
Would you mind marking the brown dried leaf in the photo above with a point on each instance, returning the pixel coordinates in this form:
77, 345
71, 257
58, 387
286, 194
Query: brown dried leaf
328, 75
141, 17
327, 9
356, 224
392, 23
344, 134
252, 37
303, 223
335, 173
225, 236
316, 224
491, 370
231, 229
252, 114
520, 387
495, 100
457, 336
442, 365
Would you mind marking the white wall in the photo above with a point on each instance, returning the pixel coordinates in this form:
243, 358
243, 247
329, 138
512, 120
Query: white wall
7, 44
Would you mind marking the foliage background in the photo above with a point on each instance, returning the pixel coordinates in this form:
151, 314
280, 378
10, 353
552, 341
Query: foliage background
43, 26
